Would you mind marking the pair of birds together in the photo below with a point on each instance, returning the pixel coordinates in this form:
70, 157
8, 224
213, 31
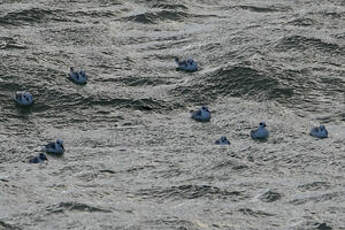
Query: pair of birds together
261, 133
55, 148
25, 98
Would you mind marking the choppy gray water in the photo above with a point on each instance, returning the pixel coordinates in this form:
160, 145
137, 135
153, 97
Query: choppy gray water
134, 159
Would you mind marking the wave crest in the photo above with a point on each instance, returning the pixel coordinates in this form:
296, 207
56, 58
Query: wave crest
155, 17
236, 81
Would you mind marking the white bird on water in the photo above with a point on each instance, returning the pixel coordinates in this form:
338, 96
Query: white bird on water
202, 114
24, 98
188, 65
77, 77
260, 133
54, 147
222, 141
319, 132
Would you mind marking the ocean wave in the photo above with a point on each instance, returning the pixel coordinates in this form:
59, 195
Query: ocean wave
137, 81
156, 17
10, 43
169, 6
258, 9
106, 3
314, 186
255, 213
310, 224
6, 226
316, 198
172, 223
145, 104
29, 16
74, 206
269, 196
236, 81
297, 42
91, 13
190, 192
302, 22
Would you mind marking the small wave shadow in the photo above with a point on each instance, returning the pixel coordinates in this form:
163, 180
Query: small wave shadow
190, 192
74, 206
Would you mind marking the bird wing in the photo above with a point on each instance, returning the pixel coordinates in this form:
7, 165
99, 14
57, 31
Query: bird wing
197, 113
50, 145
73, 74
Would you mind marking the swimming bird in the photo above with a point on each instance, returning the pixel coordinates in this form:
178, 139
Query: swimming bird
54, 147
38, 159
188, 65
202, 114
222, 141
23, 98
320, 132
77, 77
261, 132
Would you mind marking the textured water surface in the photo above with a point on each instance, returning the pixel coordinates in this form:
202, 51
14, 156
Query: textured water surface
134, 159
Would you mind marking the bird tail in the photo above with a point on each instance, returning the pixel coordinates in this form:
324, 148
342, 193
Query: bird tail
252, 134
